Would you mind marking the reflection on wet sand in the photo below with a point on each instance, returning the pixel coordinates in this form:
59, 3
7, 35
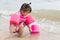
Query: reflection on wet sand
25, 37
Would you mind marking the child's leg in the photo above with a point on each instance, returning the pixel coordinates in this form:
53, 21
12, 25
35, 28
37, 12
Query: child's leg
20, 32
12, 28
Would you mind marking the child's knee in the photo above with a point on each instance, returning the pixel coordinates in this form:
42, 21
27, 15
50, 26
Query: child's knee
21, 28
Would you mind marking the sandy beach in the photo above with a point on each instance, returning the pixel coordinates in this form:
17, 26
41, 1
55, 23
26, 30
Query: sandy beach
49, 29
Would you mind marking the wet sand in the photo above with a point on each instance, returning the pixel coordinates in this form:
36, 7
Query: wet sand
48, 14
5, 35
45, 34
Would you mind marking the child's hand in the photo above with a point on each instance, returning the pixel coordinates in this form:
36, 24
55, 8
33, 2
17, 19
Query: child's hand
12, 28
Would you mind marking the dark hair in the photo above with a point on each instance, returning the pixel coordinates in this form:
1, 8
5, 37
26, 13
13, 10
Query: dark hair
26, 7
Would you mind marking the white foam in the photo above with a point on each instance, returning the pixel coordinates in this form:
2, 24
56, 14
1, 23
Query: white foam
47, 25
50, 26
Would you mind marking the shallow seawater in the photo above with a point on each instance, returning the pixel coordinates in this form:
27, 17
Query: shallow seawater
49, 30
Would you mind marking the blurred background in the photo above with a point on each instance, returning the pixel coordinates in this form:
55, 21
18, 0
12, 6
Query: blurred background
49, 9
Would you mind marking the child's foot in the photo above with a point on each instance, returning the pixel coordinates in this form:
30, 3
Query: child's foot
20, 35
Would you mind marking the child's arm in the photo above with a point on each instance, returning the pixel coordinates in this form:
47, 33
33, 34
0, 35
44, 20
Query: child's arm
29, 21
30, 25
29, 28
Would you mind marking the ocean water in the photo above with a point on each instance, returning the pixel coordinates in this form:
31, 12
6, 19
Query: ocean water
11, 6
14, 5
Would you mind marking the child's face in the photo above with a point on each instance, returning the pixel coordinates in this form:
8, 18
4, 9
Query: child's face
25, 13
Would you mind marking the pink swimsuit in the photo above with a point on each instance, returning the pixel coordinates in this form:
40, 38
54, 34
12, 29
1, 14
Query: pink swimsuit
18, 18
